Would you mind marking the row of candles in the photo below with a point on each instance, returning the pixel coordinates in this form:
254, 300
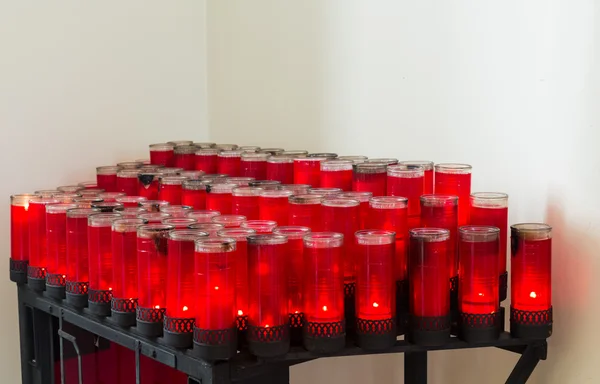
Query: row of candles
317, 250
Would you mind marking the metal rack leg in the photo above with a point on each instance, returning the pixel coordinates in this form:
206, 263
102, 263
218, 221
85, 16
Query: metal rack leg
64, 335
42, 336
527, 363
27, 348
415, 368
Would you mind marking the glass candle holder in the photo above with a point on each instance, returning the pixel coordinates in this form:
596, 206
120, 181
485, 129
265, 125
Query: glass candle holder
455, 179
478, 287
78, 271
215, 332
229, 221
295, 277
56, 235
130, 164
274, 205
429, 255
328, 192
254, 165
107, 206
407, 182
91, 192
154, 217
427, 173
106, 177
89, 185
375, 289
207, 160
272, 151
280, 168
176, 210
170, 171
100, 262
240, 181
531, 281
367, 177
184, 156
130, 212
241, 272
145, 162
125, 270
268, 320
179, 222
295, 153
326, 155
205, 145
305, 211
323, 293
162, 154
249, 148
244, 201
177, 143
192, 175
69, 188
38, 246
153, 205
229, 162
203, 216
19, 237
130, 201
109, 196
148, 184
297, 189
152, 249
226, 147
261, 227
219, 198
193, 194
127, 181
210, 228
363, 198
382, 160
181, 309
170, 189
86, 202
354, 159
336, 174
491, 208
267, 185
307, 170
46, 192
67, 197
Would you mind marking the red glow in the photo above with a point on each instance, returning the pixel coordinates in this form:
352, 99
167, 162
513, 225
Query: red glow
295, 266
274, 205
77, 245
455, 179
193, 194
428, 174
124, 251
170, 193
184, 157
19, 227
107, 182
244, 201
56, 234
307, 170
342, 216
495, 215
254, 165
369, 178
206, 160
100, 251
229, 163
336, 174
219, 202
152, 265
38, 246
441, 211
305, 211
127, 182
280, 170
407, 182
164, 157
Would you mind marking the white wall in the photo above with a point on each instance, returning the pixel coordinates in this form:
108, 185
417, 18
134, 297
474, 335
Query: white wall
510, 87
85, 84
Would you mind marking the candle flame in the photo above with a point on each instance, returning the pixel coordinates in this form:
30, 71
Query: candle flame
26, 206
240, 312
64, 276
480, 294
157, 307
267, 326
185, 308
375, 305
325, 308
533, 295
110, 288
296, 312
216, 288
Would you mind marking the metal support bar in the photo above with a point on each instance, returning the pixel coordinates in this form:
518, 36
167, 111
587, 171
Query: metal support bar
138, 350
527, 362
72, 340
415, 368
26, 341
42, 336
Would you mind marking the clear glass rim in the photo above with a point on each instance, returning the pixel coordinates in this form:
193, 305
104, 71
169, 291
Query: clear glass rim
207, 145
405, 171
187, 234
107, 204
46, 192
22, 199
308, 159
280, 159
172, 180
306, 199
60, 208
478, 233
246, 191
161, 147
336, 202
227, 147
425, 164
44, 200
239, 234
327, 155
255, 156
370, 168
130, 164
388, 202
69, 188
231, 153
259, 224
295, 152
149, 230
174, 221
104, 219
194, 185
88, 199
382, 160
170, 170
268, 239
438, 200
175, 208
91, 191
275, 193
127, 224
354, 158
531, 231
189, 149
128, 173
489, 199
363, 197
228, 219
264, 183
155, 203
192, 174
111, 195
220, 187
207, 152
122, 210
203, 213
154, 216
177, 143
323, 240
294, 187
324, 191
293, 232
207, 226
337, 165
81, 212
272, 151
375, 237
455, 168
429, 235
215, 245
130, 199
107, 170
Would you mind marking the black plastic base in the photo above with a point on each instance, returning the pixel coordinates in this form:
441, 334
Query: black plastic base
123, 319
271, 349
55, 291
296, 336
324, 345
376, 342
503, 286
38, 285
269, 342
454, 313
502, 319
77, 300
99, 309
178, 340
401, 306
350, 306
149, 329
478, 335
531, 332
296, 321
214, 352
18, 277
428, 338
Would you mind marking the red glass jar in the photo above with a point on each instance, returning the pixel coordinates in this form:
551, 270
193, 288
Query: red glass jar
323, 293
125, 270
254, 165
240, 181
531, 281
181, 295
427, 173
307, 170
107, 206
218, 197
207, 160
162, 154
127, 181
130, 212
336, 174
429, 254
229, 221
367, 177
203, 216
176, 210
327, 192
205, 145
407, 182
491, 208
109, 196
19, 237
272, 151
177, 143
130, 164
305, 211
297, 189
267, 185
77, 280
325, 155
211, 228
226, 147
170, 189
274, 205
106, 177
38, 246
363, 198
130, 201
100, 262
56, 235
455, 179
229, 162
179, 222
375, 289
280, 168
153, 205
262, 227
244, 201
152, 248
359, 159
478, 287
268, 320
184, 156
193, 194
91, 192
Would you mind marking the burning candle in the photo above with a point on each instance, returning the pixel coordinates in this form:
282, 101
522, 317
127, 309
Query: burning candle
369, 177
336, 174
203, 216
305, 211
280, 168
127, 181
229, 162
184, 156
297, 189
478, 296
274, 205
170, 189
267, 185
218, 197
153, 205
130, 201
531, 281
260, 226
406, 181
254, 165
19, 237
193, 194
205, 145
455, 179
38, 246
229, 221
226, 147
427, 174
210, 228
162, 154
244, 201
109, 196
176, 210
307, 170
179, 222
130, 164
430, 250
363, 198
207, 160
323, 293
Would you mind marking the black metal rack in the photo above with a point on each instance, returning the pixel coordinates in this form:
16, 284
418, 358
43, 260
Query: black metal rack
41, 322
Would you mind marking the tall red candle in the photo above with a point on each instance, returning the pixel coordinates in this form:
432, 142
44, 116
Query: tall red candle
106, 177
260, 226
170, 189
176, 210
203, 216
19, 237
162, 154
244, 201
274, 205
455, 179
193, 194
127, 181
407, 182
305, 210
56, 235
218, 197
206, 160
38, 246
307, 170
336, 174
229, 221
370, 178
363, 198
153, 205
254, 165
184, 157
280, 168
427, 174
229, 162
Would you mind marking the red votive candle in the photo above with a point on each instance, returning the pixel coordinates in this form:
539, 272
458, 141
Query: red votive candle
295, 153
354, 159
280, 168
130, 201
100, 262
297, 189
226, 147
267, 185
478, 287
170, 189
531, 281
206, 160
326, 155
184, 156
110, 196
244, 201
268, 320
407, 182
203, 216
77, 280
218, 197
229, 162
70, 188
177, 143
323, 293
205, 145
272, 151
368, 177
260, 226
215, 332
125, 270
229, 221
152, 248
274, 205
325, 191
455, 179
375, 289
193, 194
162, 154
56, 235
428, 261
130, 164
192, 175
148, 184
127, 181
130, 212
179, 222
363, 198
154, 217
240, 181
427, 173
153, 205
181, 309
305, 211
307, 170
491, 208
38, 246
176, 210
254, 165
336, 174
107, 206
19, 237
382, 160
210, 228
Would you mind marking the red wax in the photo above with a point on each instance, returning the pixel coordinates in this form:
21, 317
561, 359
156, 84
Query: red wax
127, 182
375, 280
38, 245
455, 179
492, 209
170, 193
107, 182
274, 205
295, 266
428, 271
206, 160
307, 170
219, 202
215, 283
305, 211
254, 165
428, 174
77, 245
229, 163
56, 235
162, 154
441, 211
19, 227
148, 185
124, 253
370, 178
267, 280
184, 157
280, 168
336, 174
244, 201
152, 265
407, 182
363, 198
100, 251
479, 277
193, 194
